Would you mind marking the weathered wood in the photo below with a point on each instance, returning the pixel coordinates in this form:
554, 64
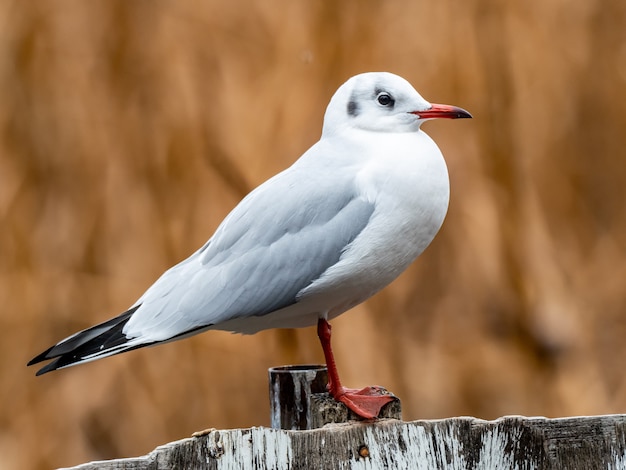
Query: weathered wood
299, 401
515, 442
291, 388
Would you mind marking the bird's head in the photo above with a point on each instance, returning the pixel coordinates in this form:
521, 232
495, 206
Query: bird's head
382, 102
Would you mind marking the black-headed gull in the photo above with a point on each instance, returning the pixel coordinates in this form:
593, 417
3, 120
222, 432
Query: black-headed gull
315, 240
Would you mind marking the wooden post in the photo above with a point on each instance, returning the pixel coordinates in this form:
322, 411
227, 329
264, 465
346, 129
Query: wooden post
299, 401
291, 388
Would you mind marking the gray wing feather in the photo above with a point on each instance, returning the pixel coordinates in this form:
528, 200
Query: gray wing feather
278, 240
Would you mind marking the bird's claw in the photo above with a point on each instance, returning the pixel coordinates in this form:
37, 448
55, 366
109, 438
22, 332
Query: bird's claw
366, 402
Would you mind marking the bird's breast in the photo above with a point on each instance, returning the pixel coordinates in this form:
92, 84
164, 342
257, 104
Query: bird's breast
408, 184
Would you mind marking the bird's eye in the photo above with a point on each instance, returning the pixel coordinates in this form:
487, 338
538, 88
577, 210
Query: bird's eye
385, 99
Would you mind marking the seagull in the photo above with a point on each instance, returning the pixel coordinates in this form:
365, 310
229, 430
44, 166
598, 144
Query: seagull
340, 224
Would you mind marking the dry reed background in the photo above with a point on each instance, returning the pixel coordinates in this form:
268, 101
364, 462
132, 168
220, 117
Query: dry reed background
130, 128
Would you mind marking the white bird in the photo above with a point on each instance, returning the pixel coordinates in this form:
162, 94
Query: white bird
315, 240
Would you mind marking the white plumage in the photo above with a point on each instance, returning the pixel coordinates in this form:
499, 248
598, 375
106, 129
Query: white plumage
320, 237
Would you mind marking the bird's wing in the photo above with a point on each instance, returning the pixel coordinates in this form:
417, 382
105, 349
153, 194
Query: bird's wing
277, 241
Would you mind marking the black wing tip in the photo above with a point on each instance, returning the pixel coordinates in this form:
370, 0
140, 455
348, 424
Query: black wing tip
58, 363
48, 368
68, 351
40, 357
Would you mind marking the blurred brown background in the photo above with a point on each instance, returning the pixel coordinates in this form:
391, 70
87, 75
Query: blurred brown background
129, 129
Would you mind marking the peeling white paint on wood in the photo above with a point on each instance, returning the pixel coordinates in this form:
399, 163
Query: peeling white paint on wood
248, 449
451, 444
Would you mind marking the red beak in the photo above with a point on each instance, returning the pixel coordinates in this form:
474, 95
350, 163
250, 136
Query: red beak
442, 111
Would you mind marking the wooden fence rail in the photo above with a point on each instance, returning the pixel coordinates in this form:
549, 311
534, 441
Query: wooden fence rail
514, 442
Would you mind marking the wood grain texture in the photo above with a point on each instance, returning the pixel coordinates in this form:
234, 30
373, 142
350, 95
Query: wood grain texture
513, 442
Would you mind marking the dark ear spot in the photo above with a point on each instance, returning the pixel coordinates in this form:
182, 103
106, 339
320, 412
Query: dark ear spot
353, 108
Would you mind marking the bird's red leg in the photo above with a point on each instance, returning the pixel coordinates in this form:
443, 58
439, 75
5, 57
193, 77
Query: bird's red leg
366, 402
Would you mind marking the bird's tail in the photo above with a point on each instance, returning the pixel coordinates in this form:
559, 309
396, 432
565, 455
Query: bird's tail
103, 340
